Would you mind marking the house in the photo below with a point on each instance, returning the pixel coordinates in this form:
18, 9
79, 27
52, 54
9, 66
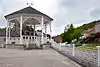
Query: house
87, 33
97, 27
57, 38
22, 27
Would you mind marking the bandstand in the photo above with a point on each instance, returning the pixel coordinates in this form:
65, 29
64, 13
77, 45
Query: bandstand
25, 23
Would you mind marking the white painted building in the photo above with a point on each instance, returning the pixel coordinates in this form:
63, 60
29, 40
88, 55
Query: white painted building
23, 24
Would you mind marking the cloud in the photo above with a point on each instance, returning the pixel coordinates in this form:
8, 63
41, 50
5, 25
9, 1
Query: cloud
95, 13
77, 12
63, 12
48, 7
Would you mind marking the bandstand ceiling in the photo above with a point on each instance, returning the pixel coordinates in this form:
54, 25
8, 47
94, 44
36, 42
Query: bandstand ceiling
31, 21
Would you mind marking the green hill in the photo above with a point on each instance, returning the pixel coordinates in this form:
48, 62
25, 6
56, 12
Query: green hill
71, 33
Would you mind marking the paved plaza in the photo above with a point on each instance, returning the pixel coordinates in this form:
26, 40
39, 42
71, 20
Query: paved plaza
33, 58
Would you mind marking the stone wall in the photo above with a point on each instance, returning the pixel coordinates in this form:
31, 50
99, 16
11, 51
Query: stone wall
83, 57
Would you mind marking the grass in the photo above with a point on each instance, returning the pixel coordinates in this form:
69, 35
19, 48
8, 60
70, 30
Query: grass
88, 47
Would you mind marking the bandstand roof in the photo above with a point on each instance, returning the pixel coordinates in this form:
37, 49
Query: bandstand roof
29, 10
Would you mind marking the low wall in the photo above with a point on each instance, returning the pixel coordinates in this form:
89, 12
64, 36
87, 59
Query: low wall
9, 46
22, 46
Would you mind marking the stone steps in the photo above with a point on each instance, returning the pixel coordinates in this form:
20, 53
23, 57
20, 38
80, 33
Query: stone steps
15, 46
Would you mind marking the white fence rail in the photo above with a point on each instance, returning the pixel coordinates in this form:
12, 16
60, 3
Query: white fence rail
88, 57
56, 45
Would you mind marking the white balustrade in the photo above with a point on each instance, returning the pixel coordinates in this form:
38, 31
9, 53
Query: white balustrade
56, 45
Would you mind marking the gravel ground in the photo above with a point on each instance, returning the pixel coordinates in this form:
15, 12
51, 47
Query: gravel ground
87, 58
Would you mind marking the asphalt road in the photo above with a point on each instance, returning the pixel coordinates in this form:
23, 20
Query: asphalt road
34, 58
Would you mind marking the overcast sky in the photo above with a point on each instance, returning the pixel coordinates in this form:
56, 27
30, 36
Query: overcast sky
63, 12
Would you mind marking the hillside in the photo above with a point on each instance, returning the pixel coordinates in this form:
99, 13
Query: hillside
75, 33
89, 25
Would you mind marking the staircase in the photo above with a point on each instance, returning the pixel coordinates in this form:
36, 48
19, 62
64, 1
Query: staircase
32, 46
14, 46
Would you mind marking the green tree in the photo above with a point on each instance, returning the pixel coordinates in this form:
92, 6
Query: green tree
68, 34
66, 28
71, 33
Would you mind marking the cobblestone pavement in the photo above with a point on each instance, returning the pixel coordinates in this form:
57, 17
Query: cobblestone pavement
33, 58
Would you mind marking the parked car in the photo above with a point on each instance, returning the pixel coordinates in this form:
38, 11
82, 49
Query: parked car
84, 44
76, 45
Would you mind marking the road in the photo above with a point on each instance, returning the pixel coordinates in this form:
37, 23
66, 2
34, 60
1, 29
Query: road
33, 58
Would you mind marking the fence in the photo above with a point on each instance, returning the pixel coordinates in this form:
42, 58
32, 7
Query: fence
98, 56
55, 45
84, 57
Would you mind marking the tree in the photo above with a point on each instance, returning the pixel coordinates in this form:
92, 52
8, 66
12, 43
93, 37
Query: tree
77, 33
71, 33
68, 33
66, 28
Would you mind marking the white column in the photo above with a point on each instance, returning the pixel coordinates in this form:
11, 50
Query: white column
27, 42
28, 39
42, 22
7, 33
21, 20
31, 39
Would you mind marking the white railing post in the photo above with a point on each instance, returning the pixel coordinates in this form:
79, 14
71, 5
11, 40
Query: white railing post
21, 21
98, 47
7, 32
60, 46
42, 22
73, 52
